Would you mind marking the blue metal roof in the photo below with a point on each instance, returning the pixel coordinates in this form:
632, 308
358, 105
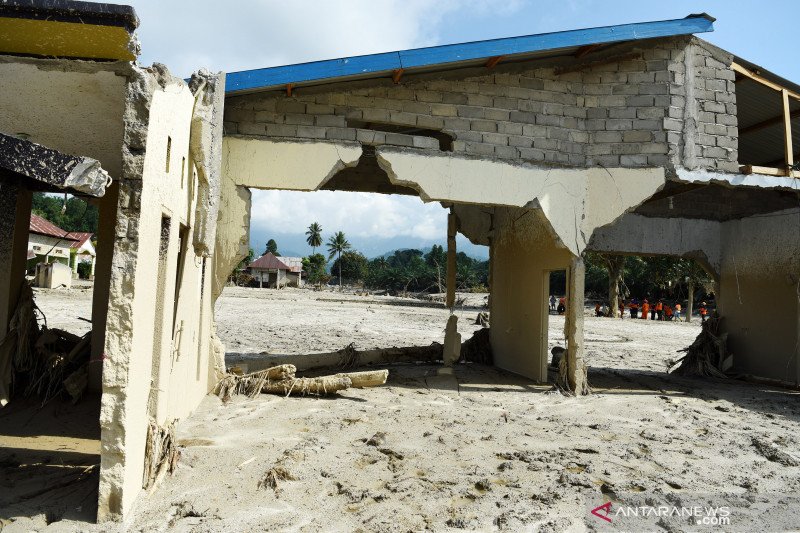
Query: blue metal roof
457, 55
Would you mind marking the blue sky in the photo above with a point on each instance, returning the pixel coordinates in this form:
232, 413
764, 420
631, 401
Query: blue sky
250, 34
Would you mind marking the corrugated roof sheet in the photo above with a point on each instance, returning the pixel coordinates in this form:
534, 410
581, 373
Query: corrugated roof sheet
43, 226
269, 261
79, 238
450, 56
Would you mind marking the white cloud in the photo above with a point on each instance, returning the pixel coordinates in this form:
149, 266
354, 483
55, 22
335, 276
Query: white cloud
251, 34
248, 34
358, 214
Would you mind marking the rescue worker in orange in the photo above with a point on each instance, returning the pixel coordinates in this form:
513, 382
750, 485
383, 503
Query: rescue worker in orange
703, 312
668, 312
634, 307
645, 309
660, 310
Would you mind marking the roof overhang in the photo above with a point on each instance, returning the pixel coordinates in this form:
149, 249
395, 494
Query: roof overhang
70, 29
452, 56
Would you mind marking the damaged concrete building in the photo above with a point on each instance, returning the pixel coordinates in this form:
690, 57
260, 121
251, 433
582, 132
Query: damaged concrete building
632, 139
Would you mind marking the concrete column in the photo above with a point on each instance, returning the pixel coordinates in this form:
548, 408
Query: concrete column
576, 373
452, 338
107, 218
91, 272
15, 214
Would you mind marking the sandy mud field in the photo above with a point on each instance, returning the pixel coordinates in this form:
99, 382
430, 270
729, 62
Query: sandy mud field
477, 450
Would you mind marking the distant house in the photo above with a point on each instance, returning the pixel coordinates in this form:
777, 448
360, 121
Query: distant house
84, 251
47, 243
277, 272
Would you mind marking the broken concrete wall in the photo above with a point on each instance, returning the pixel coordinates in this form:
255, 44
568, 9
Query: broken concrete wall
760, 293
67, 105
702, 122
162, 348
624, 107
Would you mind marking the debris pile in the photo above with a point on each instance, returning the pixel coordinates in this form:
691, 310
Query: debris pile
41, 361
161, 453
282, 380
478, 348
707, 356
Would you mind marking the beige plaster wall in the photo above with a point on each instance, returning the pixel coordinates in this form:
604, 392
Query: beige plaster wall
523, 252
760, 293
181, 356
72, 106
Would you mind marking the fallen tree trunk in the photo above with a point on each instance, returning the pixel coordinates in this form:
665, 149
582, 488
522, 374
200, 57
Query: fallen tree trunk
347, 357
282, 380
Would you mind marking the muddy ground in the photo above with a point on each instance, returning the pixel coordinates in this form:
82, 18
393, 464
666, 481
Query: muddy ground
480, 450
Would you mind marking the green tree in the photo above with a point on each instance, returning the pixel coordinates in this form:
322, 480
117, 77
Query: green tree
72, 215
272, 247
314, 237
315, 268
352, 265
336, 245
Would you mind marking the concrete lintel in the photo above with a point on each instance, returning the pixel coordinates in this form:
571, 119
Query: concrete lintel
684, 175
575, 201
51, 168
640, 235
287, 165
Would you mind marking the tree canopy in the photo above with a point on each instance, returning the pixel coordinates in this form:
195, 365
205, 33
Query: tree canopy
78, 215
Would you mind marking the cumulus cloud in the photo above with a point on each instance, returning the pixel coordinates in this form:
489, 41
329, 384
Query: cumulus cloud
358, 214
250, 34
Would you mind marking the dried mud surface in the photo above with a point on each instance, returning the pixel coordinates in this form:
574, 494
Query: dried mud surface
480, 450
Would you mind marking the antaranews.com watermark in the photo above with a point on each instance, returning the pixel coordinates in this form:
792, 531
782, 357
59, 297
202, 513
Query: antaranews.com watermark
640, 511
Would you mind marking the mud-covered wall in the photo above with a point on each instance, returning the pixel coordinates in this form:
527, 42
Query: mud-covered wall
158, 327
760, 293
67, 105
523, 252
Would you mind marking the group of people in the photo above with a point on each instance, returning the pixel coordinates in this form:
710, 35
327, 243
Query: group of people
654, 311
659, 310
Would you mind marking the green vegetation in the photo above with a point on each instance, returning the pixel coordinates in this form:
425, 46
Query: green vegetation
78, 215
315, 269
336, 245
314, 237
272, 248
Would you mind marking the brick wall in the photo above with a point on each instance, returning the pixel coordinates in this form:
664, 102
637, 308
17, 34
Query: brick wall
626, 112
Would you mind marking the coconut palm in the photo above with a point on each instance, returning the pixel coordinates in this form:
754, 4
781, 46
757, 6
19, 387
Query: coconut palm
336, 245
314, 236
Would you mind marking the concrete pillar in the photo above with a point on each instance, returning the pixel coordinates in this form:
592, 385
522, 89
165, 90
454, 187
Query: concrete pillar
573, 325
107, 218
452, 338
15, 214
91, 271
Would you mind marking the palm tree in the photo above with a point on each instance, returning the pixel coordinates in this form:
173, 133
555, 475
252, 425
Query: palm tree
314, 238
336, 245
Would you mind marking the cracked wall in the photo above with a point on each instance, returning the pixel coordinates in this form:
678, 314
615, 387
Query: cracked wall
156, 357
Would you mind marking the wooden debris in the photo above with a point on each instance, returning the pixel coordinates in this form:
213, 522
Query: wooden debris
273, 476
282, 380
161, 453
478, 348
708, 354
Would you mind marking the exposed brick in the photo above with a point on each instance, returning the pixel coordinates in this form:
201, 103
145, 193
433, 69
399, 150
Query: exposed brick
344, 134
443, 110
